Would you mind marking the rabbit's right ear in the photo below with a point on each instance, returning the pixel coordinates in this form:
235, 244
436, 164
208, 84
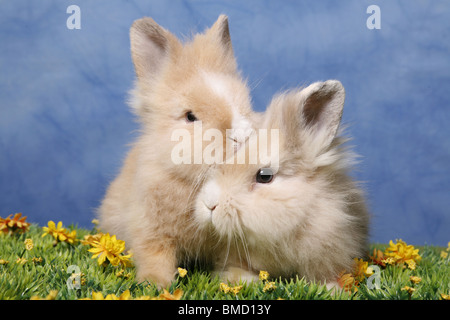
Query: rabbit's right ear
312, 114
151, 46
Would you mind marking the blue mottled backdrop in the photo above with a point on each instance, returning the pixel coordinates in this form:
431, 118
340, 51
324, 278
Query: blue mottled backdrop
65, 126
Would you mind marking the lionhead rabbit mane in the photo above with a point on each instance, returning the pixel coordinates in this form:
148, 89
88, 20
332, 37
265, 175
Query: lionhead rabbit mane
178, 85
303, 215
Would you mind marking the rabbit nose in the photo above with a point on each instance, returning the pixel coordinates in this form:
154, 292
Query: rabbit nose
211, 207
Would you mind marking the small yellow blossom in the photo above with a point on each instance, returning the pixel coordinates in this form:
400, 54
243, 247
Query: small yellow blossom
21, 260
182, 272
14, 224
415, 279
360, 270
3, 262
99, 296
60, 233
227, 289
445, 296
121, 274
109, 249
36, 260
29, 244
444, 254
411, 264
348, 282
236, 289
51, 296
71, 237
90, 238
403, 253
409, 289
263, 275
166, 295
269, 286
224, 288
95, 222
389, 261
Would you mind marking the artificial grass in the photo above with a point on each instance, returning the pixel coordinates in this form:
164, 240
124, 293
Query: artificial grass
22, 280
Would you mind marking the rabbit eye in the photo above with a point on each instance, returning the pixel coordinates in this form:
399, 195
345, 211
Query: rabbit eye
264, 175
190, 117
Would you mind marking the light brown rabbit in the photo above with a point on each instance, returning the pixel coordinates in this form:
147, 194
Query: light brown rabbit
297, 211
179, 85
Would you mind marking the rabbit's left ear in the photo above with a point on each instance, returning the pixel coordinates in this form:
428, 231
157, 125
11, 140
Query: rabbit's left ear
311, 115
321, 108
220, 32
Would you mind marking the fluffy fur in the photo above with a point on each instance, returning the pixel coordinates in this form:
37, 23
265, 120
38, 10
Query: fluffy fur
310, 220
150, 203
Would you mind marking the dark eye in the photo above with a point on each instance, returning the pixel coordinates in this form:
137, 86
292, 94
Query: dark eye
264, 175
190, 117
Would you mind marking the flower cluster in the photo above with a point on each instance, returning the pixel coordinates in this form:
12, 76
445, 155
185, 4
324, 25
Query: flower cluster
126, 295
14, 224
268, 285
59, 233
227, 289
398, 253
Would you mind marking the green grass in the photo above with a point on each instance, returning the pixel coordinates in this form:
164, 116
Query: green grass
23, 281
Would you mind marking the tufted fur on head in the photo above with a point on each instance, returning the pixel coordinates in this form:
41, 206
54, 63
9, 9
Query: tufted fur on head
307, 219
178, 85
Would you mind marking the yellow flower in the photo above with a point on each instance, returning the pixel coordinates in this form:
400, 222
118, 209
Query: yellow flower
3, 262
415, 279
36, 260
360, 269
60, 233
95, 222
227, 289
348, 282
166, 295
90, 238
445, 296
269, 286
444, 254
29, 244
410, 290
402, 253
99, 296
236, 289
182, 272
121, 274
21, 260
110, 249
224, 288
51, 296
16, 223
389, 260
263, 275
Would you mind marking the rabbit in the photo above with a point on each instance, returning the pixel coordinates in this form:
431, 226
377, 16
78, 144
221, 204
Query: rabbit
179, 85
296, 212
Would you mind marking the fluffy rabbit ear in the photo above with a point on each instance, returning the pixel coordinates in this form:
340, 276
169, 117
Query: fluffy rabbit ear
323, 103
221, 32
151, 45
311, 115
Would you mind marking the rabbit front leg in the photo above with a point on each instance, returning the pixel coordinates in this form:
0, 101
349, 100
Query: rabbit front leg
236, 275
156, 262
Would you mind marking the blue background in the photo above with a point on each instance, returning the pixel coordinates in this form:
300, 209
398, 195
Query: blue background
65, 126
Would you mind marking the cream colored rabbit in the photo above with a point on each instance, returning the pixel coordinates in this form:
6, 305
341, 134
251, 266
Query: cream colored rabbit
150, 203
297, 212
